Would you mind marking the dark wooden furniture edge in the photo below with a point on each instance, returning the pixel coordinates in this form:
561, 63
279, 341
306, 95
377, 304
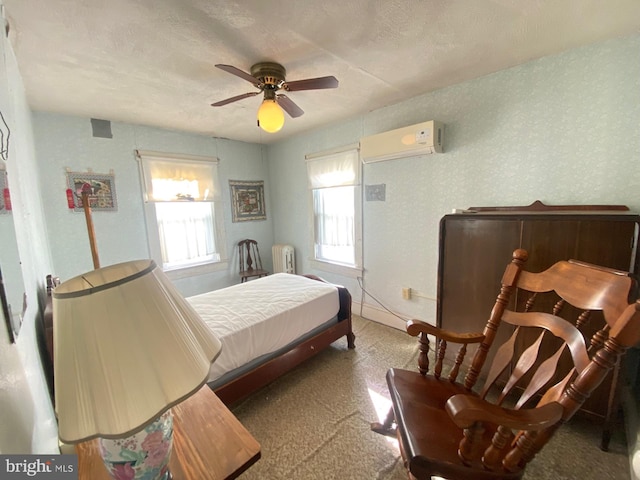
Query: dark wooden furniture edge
48, 317
266, 373
538, 206
44, 336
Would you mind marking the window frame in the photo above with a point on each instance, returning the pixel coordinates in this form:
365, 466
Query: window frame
151, 220
352, 271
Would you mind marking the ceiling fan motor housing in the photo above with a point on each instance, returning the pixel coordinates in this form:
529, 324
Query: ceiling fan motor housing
269, 73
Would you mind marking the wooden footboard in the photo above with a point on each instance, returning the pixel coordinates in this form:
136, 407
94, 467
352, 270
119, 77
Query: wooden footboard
265, 373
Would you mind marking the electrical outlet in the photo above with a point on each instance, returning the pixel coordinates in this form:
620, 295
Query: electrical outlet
406, 293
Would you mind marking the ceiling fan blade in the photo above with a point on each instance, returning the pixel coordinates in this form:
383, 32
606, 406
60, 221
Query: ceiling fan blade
289, 106
234, 99
311, 84
239, 73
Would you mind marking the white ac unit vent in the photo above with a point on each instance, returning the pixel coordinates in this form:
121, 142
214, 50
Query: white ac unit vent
420, 139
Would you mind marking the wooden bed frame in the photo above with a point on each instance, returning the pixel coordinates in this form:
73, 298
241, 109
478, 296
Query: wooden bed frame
243, 386
265, 373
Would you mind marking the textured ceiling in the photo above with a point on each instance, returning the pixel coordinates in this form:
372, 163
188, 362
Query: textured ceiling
152, 62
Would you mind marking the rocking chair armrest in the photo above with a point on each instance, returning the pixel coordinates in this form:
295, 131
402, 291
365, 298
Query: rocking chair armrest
416, 327
465, 410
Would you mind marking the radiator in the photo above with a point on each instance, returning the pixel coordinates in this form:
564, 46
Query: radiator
284, 259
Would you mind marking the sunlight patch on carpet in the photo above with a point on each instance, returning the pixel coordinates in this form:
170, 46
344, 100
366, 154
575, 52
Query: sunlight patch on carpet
380, 403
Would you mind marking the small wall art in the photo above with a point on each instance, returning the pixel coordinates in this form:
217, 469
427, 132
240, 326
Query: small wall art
5, 201
102, 194
5, 311
247, 200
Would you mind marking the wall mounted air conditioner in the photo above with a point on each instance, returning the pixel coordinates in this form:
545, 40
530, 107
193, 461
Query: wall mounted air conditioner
420, 139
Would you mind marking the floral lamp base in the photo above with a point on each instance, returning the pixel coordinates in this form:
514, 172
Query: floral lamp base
143, 455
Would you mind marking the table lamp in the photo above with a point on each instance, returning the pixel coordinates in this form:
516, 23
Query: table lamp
127, 347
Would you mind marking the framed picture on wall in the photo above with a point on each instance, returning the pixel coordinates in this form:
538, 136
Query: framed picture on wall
102, 190
4, 192
5, 311
247, 200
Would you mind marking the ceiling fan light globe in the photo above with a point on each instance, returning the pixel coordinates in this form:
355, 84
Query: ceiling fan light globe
270, 116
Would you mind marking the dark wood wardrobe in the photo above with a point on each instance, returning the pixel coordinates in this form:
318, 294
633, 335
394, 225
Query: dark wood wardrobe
476, 245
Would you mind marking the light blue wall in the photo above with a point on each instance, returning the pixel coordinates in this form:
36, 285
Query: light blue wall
562, 129
66, 142
10, 261
27, 421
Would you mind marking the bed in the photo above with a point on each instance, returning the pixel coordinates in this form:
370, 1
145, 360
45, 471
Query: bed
267, 327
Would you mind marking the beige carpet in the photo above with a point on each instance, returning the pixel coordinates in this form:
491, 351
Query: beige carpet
313, 423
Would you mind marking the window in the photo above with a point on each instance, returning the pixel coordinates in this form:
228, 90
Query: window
334, 182
182, 209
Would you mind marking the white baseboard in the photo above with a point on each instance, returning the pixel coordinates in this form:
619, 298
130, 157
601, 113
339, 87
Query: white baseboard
380, 315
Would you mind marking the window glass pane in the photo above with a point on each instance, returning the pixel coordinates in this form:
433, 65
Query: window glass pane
186, 231
334, 226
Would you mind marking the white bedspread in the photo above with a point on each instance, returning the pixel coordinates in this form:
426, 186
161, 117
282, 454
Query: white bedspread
263, 315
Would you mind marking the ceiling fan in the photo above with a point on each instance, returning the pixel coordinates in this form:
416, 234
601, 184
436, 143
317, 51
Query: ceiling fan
269, 78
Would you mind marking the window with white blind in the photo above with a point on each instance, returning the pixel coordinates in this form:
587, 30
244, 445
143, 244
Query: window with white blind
182, 209
334, 185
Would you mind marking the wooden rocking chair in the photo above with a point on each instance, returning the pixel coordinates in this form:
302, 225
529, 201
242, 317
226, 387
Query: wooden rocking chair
453, 430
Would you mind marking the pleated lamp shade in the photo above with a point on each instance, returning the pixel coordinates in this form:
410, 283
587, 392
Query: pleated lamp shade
127, 347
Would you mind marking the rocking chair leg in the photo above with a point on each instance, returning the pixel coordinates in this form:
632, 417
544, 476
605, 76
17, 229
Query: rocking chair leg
387, 427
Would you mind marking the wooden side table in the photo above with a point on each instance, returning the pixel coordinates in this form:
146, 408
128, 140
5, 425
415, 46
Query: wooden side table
208, 443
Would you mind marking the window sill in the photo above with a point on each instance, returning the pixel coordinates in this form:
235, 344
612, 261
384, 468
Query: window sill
344, 270
195, 270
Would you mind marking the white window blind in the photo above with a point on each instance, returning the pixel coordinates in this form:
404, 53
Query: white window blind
170, 179
334, 170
